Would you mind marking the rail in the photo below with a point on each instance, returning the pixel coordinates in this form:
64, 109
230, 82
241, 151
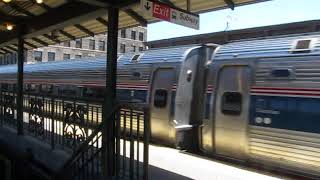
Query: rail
131, 151
75, 126
85, 162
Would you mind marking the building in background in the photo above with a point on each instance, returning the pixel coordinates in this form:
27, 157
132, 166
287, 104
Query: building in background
130, 40
224, 37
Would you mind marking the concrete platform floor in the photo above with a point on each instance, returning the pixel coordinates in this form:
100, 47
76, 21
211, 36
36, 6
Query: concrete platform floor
170, 164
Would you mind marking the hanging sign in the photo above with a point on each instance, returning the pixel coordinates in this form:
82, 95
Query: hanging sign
171, 14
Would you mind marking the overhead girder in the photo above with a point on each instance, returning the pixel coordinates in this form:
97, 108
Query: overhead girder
230, 4
43, 5
11, 48
40, 41
137, 17
102, 21
51, 38
30, 45
59, 18
96, 3
71, 37
83, 29
20, 9
5, 50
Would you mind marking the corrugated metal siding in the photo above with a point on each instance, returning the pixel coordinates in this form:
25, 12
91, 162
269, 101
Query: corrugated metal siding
89, 69
289, 147
306, 72
273, 47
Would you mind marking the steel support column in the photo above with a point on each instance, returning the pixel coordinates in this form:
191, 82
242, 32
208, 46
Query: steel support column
20, 80
110, 96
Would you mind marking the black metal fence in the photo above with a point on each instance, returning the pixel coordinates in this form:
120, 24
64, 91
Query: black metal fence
64, 123
75, 126
132, 142
8, 113
60, 122
131, 148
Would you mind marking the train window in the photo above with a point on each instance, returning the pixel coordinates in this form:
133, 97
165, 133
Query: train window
136, 57
136, 74
160, 98
280, 73
231, 103
302, 46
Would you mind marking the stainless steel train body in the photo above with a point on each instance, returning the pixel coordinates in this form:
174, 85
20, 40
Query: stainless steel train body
148, 77
254, 100
265, 103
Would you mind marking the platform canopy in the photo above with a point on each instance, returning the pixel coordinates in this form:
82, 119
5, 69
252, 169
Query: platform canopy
55, 21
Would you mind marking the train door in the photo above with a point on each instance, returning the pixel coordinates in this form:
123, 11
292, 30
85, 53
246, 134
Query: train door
232, 109
161, 94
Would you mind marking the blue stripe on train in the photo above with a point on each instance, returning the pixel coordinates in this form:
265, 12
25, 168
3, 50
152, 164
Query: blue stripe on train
291, 113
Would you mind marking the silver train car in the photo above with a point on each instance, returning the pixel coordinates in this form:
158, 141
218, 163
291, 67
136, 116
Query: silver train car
256, 100
148, 77
265, 101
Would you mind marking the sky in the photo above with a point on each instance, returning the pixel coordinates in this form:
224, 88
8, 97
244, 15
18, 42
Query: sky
260, 14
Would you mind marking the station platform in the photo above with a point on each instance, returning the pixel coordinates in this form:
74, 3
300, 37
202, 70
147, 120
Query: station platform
171, 164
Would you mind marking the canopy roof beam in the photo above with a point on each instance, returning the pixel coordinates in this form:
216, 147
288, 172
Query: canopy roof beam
51, 38
58, 18
16, 47
67, 35
137, 17
11, 48
40, 41
83, 29
5, 50
43, 5
169, 2
102, 21
30, 45
46, 18
230, 4
95, 3
20, 9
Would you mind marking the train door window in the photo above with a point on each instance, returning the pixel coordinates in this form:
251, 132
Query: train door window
231, 103
160, 98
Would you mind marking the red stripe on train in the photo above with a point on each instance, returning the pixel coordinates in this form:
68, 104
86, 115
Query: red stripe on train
285, 93
284, 89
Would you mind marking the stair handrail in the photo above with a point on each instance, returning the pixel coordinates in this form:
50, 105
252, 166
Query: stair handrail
84, 146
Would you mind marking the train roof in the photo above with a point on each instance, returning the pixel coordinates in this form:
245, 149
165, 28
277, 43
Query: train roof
175, 54
280, 46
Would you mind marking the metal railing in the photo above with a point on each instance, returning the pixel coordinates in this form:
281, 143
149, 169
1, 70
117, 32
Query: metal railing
132, 142
61, 122
8, 113
131, 148
75, 126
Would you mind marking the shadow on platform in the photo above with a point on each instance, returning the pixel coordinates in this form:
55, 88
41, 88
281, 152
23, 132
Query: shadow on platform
161, 174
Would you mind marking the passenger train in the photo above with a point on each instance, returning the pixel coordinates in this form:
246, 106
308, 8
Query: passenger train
254, 100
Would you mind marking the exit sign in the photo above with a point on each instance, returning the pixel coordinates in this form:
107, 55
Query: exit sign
171, 14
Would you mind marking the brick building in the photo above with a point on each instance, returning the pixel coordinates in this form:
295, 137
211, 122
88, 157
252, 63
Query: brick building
130, 40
